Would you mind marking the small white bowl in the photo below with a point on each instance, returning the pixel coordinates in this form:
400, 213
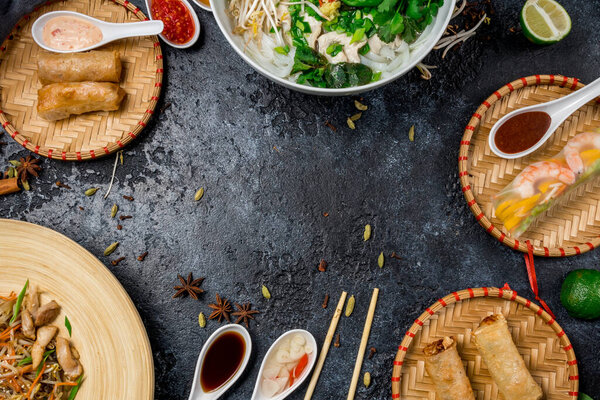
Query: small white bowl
219, 8
202, 5
193, 40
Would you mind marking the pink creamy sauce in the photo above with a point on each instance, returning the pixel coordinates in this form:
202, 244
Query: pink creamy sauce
70, 33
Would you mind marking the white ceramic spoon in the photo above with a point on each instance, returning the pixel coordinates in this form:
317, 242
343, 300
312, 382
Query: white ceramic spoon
312, 357
194, 38
197, 392
558, 110
110, 31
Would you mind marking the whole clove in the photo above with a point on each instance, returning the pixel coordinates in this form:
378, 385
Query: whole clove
337, 341
124, 217
130, 198
322, 265
119, 227
372, 352
62, 185
117, 261
325, 301
142, 256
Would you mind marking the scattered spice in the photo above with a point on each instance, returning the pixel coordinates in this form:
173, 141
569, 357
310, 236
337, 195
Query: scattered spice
130, 198
91, 191
121, 157
325, 301
337, 341
119, 227
142, 256
367, 379
81, 208
350, 306
117, 261
265, 292
27, 167
367, 232
221, 308
411, 133
372, 352
380, 260
110, 249
25, 185
356, 116
8, 186
62, 185
360, 106
350, 123
201, 320
326, 214
199, 194
124, 217
330, 126
322, 265
190, 286
165, 107
113, 210
244, 313
396, 256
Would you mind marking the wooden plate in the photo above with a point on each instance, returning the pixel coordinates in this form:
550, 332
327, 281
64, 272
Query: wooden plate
571, 227
107, 329
90, 135
545, 347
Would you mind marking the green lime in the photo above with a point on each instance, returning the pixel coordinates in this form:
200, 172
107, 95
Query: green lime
583, 396
544, 21
580, 293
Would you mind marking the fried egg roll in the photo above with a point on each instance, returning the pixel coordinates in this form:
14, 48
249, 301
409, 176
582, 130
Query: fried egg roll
59, 100
505, 364
97, 66
444, 366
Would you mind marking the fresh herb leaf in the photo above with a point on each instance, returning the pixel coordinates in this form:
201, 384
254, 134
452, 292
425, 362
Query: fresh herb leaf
347, 74
17, 306
334, 49
75, 389
68, 325
386, 6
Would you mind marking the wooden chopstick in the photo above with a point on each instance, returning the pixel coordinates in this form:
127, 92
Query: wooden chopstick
328, 338
363, 344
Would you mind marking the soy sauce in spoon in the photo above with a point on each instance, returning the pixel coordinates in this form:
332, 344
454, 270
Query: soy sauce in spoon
522, 131
222, 360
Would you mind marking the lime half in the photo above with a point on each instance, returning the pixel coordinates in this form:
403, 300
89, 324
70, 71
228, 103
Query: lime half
545, 21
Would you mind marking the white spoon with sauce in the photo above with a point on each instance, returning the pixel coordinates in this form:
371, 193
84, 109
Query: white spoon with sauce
259, 389
222, 361
72, 32
525, 130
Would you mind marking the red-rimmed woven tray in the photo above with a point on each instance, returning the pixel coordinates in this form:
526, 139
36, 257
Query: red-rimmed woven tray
90, 135
545, 347
572, 226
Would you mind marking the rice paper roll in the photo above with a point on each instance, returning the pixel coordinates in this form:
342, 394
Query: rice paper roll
542, 184
59, 100
506, 366
97, 66
445, 367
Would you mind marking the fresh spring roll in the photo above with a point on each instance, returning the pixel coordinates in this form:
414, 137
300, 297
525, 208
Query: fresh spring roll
97, 66
539, 186
444, 366
505, 364
59, 100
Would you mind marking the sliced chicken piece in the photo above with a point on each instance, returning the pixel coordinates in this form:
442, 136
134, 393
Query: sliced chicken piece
349, 52
33, 300
47, 313
283, 14
44, 336
68, 363
27, 324
375, 44
315, 30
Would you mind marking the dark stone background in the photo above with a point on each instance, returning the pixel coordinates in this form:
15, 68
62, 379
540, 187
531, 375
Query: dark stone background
271, 168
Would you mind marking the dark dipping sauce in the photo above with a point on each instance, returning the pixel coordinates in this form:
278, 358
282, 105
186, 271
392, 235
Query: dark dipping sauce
222, 360
522, 131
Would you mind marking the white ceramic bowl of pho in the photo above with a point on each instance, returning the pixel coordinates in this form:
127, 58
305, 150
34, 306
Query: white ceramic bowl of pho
330, 49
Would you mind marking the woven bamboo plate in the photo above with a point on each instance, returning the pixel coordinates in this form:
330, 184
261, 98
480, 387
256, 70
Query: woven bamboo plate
90, 135
571, 227
545, 347
107, 329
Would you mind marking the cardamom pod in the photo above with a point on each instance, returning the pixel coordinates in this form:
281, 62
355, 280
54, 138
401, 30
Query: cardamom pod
110, 249
360, 106
121, 156
201, 320
367, 379
380, 260
113, 210
367, 232
11, 173
356, 117
91, 191
350, 123
350, 306
199, 194
15, 163
265, 292
411, 133
25, 185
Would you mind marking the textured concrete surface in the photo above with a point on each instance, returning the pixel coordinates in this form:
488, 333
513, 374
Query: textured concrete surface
271, 168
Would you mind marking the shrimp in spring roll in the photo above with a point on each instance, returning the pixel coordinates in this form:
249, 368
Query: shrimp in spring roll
501, 356
444, 366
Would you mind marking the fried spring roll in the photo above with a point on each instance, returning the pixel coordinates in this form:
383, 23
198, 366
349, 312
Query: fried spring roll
505, 364
97, 66
444, 366
59, 100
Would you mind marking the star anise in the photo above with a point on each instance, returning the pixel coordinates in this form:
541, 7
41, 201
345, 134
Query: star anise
222, 309
244, 313
29, 166
189, 285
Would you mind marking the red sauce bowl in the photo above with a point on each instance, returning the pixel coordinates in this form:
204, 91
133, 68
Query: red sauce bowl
182, 27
